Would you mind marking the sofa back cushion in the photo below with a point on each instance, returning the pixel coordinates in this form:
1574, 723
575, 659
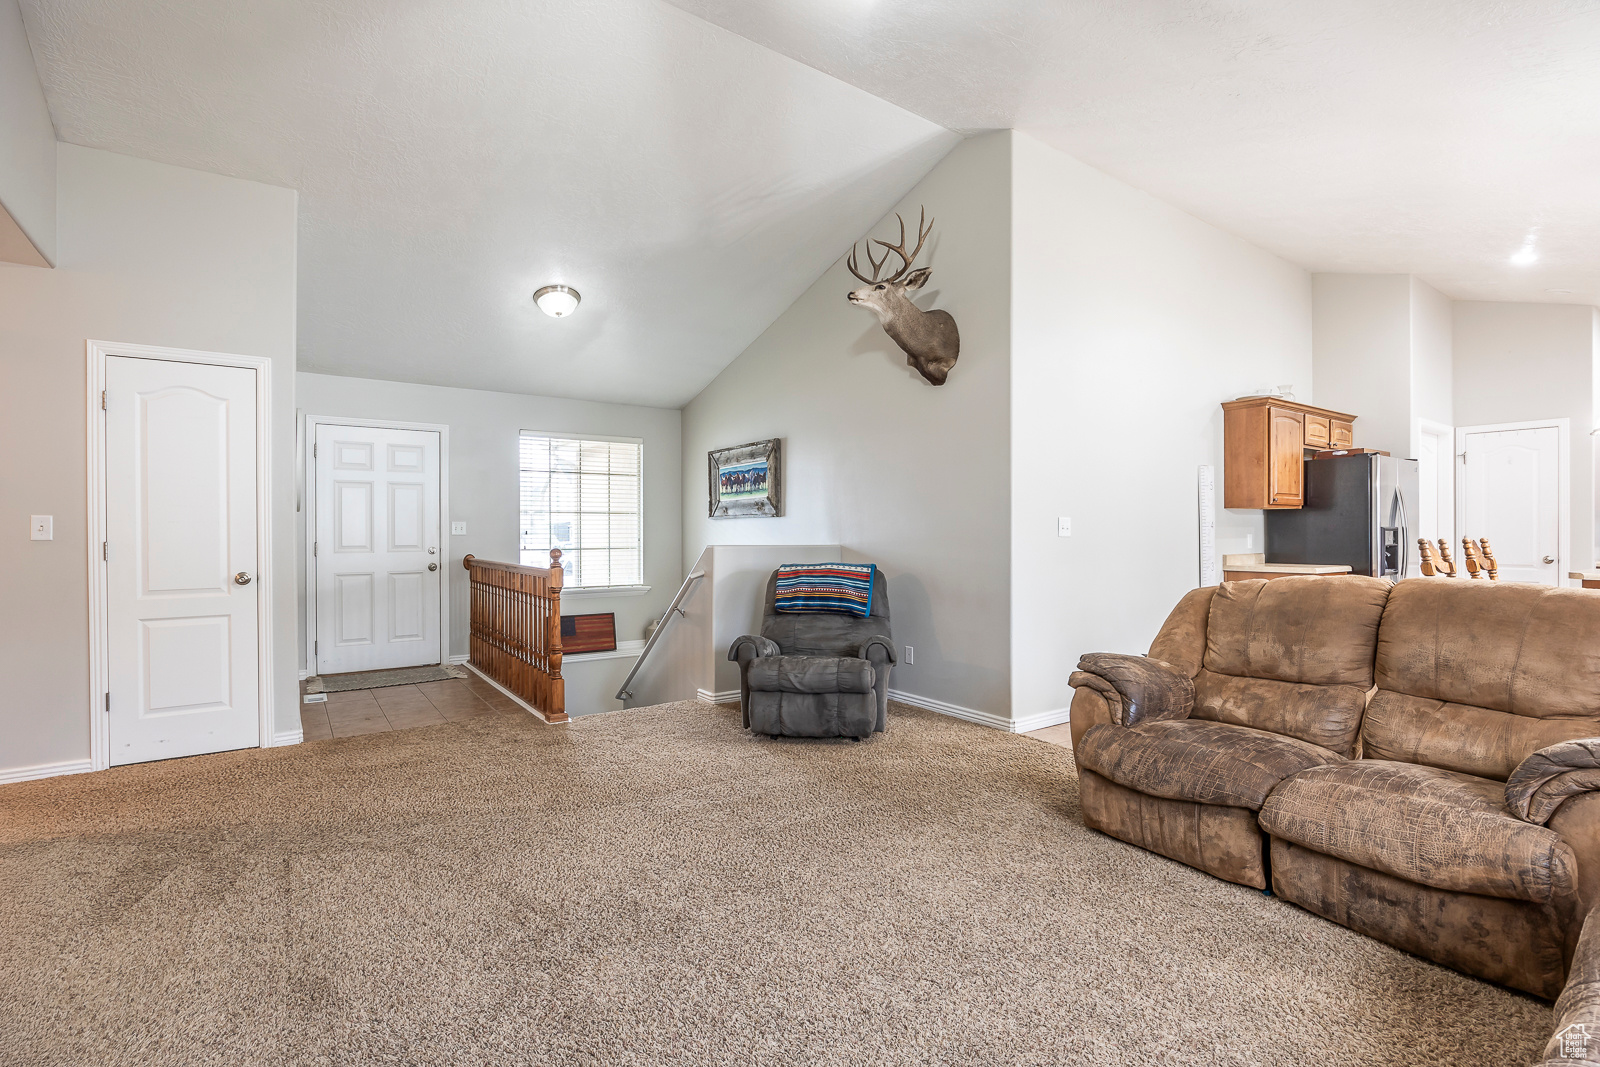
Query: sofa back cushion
1291, 655
1476, 676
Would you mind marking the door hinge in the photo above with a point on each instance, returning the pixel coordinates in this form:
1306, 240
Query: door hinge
108, 703
103, 555
314, 548
313, 648
313, 450
102, 400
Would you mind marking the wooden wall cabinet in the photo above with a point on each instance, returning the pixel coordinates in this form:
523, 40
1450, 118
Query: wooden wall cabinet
1263, 449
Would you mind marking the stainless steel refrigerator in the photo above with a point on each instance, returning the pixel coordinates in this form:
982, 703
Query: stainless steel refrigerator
1359, 509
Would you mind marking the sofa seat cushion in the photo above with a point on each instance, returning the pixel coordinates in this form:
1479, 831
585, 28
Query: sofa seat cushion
1427, 825
1195, 760
811, 674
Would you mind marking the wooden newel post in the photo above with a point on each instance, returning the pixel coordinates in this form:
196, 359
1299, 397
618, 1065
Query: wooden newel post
558, 687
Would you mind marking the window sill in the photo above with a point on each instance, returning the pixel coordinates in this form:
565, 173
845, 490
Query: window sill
604, 590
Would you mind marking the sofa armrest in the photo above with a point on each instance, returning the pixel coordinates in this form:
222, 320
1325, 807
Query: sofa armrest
1137, 688
876, 650
751, 647
1575, 1041
1550, 776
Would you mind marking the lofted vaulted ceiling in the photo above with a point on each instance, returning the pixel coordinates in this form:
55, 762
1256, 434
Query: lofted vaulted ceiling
1434, 137
692, 168
452, 156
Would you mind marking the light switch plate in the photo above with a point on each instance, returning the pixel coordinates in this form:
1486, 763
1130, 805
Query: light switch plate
43, 527
457, 529
911, 655
1063, 527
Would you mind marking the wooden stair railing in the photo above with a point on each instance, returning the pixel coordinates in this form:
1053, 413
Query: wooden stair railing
516, 630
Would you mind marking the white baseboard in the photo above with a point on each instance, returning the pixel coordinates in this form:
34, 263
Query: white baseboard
44, 770
705, 696
287, 737
463, 658
304, 675
1039, 720
529, 708
1036, 721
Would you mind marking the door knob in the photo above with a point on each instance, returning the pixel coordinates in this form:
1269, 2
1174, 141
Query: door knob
241, 578
433, 566
431, 551
1549, 559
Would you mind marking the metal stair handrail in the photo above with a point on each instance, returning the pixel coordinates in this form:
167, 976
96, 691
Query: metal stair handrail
666, 619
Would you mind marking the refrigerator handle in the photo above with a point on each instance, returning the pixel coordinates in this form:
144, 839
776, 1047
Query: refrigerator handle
1405, 534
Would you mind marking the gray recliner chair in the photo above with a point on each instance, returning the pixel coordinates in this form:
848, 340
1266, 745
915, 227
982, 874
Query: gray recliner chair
817, 675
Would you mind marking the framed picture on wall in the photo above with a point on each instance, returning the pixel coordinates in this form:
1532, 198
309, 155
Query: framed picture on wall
746, 480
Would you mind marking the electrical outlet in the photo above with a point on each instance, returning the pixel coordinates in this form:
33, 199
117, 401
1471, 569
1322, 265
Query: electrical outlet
1063, 527
43, 528
457, 529
911, 654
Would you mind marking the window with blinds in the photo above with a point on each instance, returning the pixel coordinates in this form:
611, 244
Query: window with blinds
583, 496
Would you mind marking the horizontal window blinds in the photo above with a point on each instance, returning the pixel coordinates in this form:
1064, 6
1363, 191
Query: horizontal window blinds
583, 497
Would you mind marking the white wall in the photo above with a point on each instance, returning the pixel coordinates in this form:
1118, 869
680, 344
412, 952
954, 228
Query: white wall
1362, 355
27, 138
907, 475
484, 478
147, 254
1131, 322
1521, 362
1432, 359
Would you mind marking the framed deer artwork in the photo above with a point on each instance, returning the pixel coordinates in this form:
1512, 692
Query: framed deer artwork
746, 480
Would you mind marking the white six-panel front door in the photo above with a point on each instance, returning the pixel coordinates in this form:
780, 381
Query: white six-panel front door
181, 559
377, 552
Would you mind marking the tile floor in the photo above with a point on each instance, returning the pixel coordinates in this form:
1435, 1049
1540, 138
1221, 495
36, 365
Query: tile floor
1055, 735
400, 707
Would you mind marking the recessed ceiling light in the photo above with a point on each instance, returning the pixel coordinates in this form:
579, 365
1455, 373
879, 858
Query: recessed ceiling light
557, 301
1526, 256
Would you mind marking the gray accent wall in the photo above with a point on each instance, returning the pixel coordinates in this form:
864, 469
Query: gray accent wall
147, 254
900, 473
484, 480
27, 138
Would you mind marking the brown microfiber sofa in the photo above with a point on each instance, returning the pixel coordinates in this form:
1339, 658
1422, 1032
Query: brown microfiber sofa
1419, 762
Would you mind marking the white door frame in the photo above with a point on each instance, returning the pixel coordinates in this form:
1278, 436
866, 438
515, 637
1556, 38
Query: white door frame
308, 508
1563, 482
99, 668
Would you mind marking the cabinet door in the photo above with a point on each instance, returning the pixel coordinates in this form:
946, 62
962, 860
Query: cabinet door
1341, 434
1286, 465
1317, 431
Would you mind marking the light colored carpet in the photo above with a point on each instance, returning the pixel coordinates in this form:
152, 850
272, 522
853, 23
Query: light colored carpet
344, 683
658, 887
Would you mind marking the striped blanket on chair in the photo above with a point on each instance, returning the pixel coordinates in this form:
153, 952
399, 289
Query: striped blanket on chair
831, 588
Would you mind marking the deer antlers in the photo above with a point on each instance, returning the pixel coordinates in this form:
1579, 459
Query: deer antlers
899, 250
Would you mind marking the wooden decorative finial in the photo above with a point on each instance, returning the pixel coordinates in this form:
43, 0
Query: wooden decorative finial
1428, 562
1488, 559
1447, 563
1469, 556
555, 557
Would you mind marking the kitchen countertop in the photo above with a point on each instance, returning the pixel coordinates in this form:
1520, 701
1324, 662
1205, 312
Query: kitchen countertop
1256, 563
1585, 576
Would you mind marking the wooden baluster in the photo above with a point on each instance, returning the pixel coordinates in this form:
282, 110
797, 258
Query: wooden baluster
1425, 557
558, 688
1469, 556
1489, 563
1447, 563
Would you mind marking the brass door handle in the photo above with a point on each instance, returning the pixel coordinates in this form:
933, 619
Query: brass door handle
241, 578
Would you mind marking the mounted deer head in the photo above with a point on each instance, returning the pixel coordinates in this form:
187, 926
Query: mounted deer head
928, 338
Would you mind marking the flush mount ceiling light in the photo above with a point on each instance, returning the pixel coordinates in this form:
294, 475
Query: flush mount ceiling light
557, 301
1526, 256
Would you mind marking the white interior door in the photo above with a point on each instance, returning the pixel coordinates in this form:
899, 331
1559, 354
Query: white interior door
379, 568
1511, 494
1436, 482
181, 564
